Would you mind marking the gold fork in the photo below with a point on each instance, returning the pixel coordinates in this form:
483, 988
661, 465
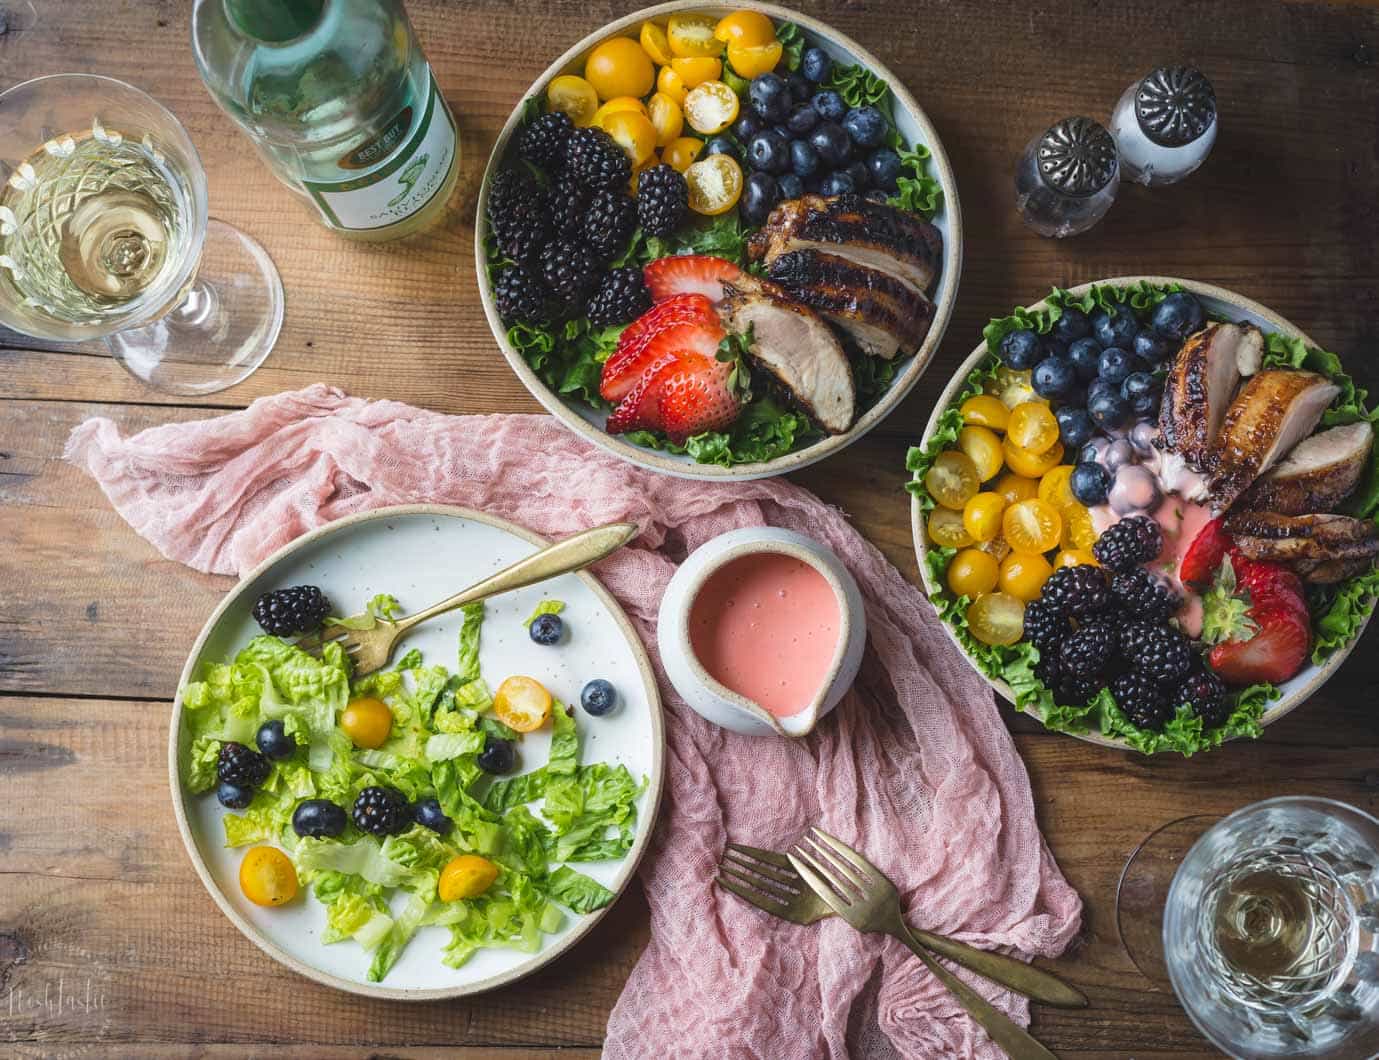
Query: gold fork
856, 890
768, 881
370, 648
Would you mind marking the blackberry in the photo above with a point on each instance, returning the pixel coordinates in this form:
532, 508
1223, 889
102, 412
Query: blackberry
608, 223
1205, 694
542, 141
1077, 591
1129, 543
594, 160
1045, 625
1161, 653
521, 298
381, 812
1049, 670
1088, 650
570, 271
1141, 700
620, 299
1076, 691
662, 200
566, 203
300, 609
517, 216
1143, 595
240, 766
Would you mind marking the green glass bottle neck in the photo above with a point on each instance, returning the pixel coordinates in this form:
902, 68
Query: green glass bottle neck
274, 21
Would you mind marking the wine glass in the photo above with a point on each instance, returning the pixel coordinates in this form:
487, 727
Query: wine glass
104, 235
1265, 924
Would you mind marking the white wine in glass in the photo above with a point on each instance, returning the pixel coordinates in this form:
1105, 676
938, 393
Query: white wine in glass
104, 234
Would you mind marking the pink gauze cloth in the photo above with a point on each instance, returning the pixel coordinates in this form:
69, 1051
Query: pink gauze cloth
914, 767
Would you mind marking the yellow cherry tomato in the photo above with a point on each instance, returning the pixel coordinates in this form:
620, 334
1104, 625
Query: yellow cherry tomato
465, 876
945, 527
267, 877
1013, 387
996, 618
619, 67
1031, 465
745, 27
666, 118
981, 516
1075, 557
654, 43
984, 447
1015, 487
1078, 531
711, 107
696, 69
522, 703
693, 35
1023, 575
715, 184
952, 480
1032, 427
996, 547
613, 106
983, 410
633, 132
972, 572
1032, 526
367, 722
1055, 487
671, 84
573, 96
681, 152
753, 60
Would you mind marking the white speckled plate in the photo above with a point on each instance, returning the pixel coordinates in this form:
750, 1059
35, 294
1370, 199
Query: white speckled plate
421, 554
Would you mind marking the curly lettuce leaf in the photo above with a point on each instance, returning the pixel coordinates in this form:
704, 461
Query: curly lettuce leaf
578, 892
545, 607
792, 42
765, 430
567, 357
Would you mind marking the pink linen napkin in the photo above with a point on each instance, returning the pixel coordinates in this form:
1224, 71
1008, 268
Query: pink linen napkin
914, 767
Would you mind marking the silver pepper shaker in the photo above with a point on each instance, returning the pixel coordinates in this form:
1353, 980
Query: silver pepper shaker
1165, 125
1067, 178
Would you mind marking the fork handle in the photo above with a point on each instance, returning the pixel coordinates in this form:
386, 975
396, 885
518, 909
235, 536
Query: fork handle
1017, 1042
1034, 983
569, 554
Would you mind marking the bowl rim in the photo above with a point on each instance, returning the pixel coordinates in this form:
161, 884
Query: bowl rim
542, 957
1314, 676
945, 299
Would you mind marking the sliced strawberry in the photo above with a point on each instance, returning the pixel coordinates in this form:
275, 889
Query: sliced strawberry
1269, 585
640, 409
1275, 653
668, 344
695, 397
686, 273
1204, 555
628, 363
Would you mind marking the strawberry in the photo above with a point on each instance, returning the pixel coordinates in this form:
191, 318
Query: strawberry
1269, 584
640, 409
685, 273
628, 363
1275, 653
1256, 616
696, 397
1205, 554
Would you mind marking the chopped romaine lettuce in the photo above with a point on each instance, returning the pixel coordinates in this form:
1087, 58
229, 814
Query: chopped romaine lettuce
545, 607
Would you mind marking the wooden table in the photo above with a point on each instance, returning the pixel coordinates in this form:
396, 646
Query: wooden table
106, 935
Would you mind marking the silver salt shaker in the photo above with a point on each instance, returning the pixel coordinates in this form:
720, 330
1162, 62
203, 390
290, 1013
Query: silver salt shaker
1165, 125
1067, 178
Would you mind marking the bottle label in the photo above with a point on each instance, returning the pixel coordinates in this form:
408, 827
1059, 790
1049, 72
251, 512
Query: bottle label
408, 170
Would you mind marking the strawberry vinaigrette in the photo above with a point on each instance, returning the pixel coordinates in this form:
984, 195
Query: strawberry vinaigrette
766, 626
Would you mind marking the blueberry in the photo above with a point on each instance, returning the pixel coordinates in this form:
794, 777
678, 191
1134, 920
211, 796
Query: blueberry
800, 87
1090, 483
1086, 357
770, 97
830, 105
1178, 315
804, 160
861, 176
1071, 325
1141, 390
802, 119
1116, 364
884, 166
546, 629
232, 796
598, 697
1021, 349
815, 65
836, 183
1115, 330
866, 126
1090, 453
832, 144
1120, 453
790, 186
1074, 425
723, 145
1054, 377
319, 818
1052, 347
769, 152
1154, 346
759, 195
747, 125
428, 814
498, 756
1108, 409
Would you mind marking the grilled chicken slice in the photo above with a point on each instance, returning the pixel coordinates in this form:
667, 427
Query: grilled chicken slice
1274, 411
793, 343
882, 314
1200, 386
1317, 475
869, 234
1321, 548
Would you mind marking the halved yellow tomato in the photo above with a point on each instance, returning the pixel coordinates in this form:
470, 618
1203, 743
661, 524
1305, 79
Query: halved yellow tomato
946, 528
267, 877
573, 96
654, 43
633, 132
711, 107
522, 703
613, 106
619, 67
1032, 526
1031, 465
696, 69
745, 27
666, 117
681, 152
751, 61
465, 876
671, 84
693, 35
715, 183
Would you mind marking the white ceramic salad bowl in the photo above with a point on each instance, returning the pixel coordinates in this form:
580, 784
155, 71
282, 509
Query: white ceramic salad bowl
1219, 303
420, 553
913, 125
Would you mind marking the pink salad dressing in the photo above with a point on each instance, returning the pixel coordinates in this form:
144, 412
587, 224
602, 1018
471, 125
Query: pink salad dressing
767, 626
